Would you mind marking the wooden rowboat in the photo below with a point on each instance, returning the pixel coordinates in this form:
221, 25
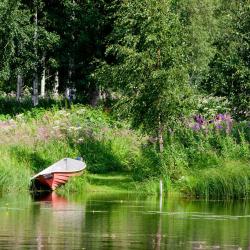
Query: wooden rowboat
57, 174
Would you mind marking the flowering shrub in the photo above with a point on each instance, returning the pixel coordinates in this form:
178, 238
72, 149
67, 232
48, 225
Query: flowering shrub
221, 122
210, 106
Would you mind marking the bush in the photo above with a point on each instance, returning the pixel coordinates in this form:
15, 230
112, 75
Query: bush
146, 164
10, 107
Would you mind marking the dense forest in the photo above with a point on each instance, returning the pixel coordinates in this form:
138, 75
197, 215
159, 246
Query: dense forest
166, 66
142, 49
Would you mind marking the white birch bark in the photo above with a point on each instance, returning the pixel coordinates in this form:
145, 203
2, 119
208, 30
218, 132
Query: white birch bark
71, 67
56, 85
19, 86
43, 79
35, 89
35, 75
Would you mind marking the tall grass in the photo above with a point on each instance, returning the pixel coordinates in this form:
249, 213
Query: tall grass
37, 138
14, 176
209, 163
227, 182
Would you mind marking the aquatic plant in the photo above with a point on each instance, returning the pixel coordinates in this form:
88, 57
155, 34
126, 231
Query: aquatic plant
226, 182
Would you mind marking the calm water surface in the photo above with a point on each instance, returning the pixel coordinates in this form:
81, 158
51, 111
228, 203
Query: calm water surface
122, 222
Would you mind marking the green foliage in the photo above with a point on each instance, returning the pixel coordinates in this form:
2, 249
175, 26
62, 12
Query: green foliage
10, 107
155, 56
81, 24
210, 106
242, 128
229, 70
40, 137
11, 21
17, 31
36, 139
146, 164
150, 70
200, 33
153, 52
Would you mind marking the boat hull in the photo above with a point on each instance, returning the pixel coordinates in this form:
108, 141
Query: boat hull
53, 180
57, 174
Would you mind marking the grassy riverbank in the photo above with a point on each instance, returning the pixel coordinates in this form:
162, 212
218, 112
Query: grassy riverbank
212, 165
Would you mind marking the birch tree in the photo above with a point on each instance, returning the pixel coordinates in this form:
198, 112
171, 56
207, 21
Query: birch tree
35, 74
43, 78
229, 74
149, 65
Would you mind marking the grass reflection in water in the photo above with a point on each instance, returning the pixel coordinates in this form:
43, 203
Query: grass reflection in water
121, 221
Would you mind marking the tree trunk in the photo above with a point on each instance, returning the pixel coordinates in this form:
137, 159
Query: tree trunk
160, 127
71, 55
160, 137
43, 80
35, 89
56, 85
95, 97
19, 90
161, 148
71, 71
35, 75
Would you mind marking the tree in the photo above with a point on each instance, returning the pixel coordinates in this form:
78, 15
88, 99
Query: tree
147, 65
13, 28
43, 42
229, 73
23, 41
56, 47
199, 22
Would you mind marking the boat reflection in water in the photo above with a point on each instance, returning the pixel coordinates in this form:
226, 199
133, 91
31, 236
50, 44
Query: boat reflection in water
50, 198
56, 219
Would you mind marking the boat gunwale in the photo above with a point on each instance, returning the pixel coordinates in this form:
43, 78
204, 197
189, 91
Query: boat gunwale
80, 169
34, 177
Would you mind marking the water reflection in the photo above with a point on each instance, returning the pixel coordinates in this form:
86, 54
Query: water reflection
157, 243
124, 221
59, 223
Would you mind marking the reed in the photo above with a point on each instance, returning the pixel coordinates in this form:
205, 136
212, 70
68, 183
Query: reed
230, 181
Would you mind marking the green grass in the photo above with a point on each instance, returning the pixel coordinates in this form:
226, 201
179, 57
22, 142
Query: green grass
14, 176
36, 139
212, 165
231, 181
112, 182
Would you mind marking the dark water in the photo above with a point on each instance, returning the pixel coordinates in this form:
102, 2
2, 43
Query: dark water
122, 222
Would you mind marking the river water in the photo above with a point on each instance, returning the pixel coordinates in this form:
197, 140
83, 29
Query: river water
122, 221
